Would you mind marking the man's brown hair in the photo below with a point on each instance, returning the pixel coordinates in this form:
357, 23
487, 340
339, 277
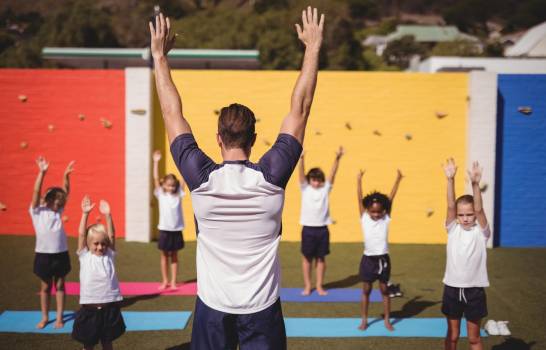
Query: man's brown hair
236, 126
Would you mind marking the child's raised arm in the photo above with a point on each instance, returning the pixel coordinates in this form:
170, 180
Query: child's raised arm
301, 168
66, 177
87, 206
399, 177
156, 158
475, 175
104, 208
361, 208
333, 172
42, 166
450, 169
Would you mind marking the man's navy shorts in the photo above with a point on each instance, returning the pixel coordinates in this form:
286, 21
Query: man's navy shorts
261, 330
315, 241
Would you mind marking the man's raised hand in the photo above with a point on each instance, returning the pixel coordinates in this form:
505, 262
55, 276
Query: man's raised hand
161, 39
311, 33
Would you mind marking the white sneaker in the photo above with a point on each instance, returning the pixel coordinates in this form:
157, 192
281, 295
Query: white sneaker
503, 328
492, 328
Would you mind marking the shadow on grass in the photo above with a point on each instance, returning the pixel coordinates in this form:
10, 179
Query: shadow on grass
412, 308
184, 346
514, 344
128, 301
343, 283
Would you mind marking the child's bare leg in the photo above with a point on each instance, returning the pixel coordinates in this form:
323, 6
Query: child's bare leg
107, 346
452, 336
174, 268
60, 298
473, 331
164, 272
386, 305
321, 269
306, 269
366, 290
45, 297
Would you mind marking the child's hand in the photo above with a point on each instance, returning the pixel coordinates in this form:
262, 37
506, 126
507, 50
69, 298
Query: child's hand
87, 206
360, 174
42, 164
104, 207
340, 152
475, 174
450, 168
156, 156
69, 168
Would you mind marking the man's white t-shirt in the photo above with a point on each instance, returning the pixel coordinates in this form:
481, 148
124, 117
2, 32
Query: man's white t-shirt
98, 280
49, 228
376, 234
466, 264
170, 210
315, 206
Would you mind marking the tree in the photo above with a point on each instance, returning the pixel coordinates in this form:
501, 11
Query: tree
463, 48
399, 52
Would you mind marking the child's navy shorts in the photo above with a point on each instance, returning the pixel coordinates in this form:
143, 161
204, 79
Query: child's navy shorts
470, 302
375, 267
315, 241
170, 241
94, 324
47, 266
214, 329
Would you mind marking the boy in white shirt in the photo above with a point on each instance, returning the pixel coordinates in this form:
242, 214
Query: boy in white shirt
99, 319
315, 218
466, 266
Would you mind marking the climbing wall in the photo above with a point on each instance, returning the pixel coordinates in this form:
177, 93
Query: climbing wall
521, 160
62, 115
384, 120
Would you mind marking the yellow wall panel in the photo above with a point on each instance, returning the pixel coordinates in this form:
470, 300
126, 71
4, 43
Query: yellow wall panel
391, 104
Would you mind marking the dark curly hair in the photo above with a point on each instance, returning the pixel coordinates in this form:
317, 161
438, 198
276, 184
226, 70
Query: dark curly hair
53, 193
173, 178
377, 197
315, 173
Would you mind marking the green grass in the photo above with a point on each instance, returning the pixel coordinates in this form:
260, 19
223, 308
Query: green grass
516, 293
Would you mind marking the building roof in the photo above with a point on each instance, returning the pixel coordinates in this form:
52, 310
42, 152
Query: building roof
531, 44
430, 33
79, 57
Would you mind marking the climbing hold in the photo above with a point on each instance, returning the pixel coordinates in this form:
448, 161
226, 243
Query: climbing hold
525, 110
22, 98
258, 120
430, 212
65, 218
3, 207
50, 127
318, 133
106, 123
348, 126
217, 112
377, 132
267, 143
334, 222
138, 111
408, 136
98, 218
81, 117
23, 144
440, 115
483, 188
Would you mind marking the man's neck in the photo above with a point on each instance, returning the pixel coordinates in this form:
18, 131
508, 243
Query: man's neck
234, 154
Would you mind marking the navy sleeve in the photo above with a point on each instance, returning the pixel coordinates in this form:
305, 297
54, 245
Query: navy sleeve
194, 165
279, 162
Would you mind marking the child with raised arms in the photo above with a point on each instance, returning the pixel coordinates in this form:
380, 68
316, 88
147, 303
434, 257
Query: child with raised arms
375, 218
315, 218
466, 266
169, 192
51, 259
99, 318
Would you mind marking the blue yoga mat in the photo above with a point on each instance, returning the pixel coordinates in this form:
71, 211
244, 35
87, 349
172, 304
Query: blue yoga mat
348, 327
335, 295
25, 321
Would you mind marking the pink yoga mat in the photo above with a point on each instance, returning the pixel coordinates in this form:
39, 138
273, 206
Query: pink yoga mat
140, 288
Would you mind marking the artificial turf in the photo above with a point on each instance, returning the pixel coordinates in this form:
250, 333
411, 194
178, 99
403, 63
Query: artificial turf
516, 277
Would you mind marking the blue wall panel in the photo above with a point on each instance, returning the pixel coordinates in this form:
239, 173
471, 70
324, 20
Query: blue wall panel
521, 161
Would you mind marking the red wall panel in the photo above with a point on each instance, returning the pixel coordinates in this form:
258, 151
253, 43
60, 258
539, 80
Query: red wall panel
57, 97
